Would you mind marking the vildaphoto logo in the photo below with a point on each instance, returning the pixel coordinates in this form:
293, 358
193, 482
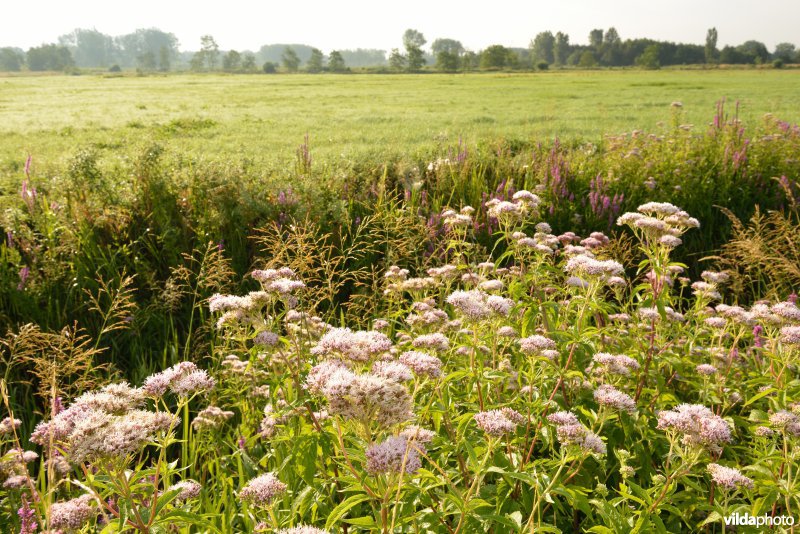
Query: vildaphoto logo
745, 519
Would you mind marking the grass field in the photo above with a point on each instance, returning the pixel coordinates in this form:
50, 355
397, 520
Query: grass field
350, 116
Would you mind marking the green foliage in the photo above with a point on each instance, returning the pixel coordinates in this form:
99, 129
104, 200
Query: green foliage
49, 57
336, 62
315, 62
649, 58
11, 59
290, 59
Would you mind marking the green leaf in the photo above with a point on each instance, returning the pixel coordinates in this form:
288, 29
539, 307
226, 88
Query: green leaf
344, 507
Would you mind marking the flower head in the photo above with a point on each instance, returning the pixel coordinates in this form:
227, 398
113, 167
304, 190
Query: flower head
261, 490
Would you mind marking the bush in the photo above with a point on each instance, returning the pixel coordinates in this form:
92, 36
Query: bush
269, 67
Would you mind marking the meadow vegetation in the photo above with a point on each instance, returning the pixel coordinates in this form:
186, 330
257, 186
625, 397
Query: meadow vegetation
281, 311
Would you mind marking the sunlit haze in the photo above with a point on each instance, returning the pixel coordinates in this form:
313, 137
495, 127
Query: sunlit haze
347, 24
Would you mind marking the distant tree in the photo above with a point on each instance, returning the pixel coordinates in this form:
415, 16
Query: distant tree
756, 51
542, 48
336, 62
469, 61
561, 49
649, 58
248, 62
290, 60
210, 50
146, 61
129, 48
232, 61
732, 56
164, 59
611, 50
450, 46
49, 57
363, 57
587, 60
596, 38
446, 61
90, 48
269, 67
413, 41
711, 53
11, 59
397, 61
785, 52
315, 62
494, 57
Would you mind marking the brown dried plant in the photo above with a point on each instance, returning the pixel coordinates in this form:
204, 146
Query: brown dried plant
115, 305
55, 363
763, 256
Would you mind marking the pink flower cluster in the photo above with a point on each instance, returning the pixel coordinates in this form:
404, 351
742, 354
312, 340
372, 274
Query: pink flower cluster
609, 396
72, 514
728, 477
571, 432
499, 422
615, 364
698, 424
183, 379
261, 490
422, 363
394, 455
358, 346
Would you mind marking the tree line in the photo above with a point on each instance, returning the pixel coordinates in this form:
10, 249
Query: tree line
154, 50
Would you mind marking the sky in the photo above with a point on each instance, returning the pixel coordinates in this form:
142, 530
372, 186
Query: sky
344, 24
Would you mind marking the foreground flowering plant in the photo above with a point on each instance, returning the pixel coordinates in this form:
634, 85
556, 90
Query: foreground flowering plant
544, 386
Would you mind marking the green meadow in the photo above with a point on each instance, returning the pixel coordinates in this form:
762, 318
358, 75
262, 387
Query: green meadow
266, 117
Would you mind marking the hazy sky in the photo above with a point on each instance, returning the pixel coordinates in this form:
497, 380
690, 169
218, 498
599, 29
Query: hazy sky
332, 24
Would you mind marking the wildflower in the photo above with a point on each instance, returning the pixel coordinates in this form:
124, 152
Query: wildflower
394, 370
211, 417
27, 518
706, 369
187, 489
395, 274
563, 418
714, 277
266, 338
417, 434
507, 331
421, 363
491, 285
790, 335
188, 384
570, 432
436, 341
536, 344
367, 397
8, 425
607, 395
394, 455
261, 490
697, 423
72, 514
358, 346
498, 422
302, 529
716, 322
380, 324
471, 303
321, 373
158, 384
728, 477
786, 421
586, 266
99, 434
617, 364
786, 310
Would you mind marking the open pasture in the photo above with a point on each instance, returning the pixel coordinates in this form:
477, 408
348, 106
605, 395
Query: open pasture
350, 116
